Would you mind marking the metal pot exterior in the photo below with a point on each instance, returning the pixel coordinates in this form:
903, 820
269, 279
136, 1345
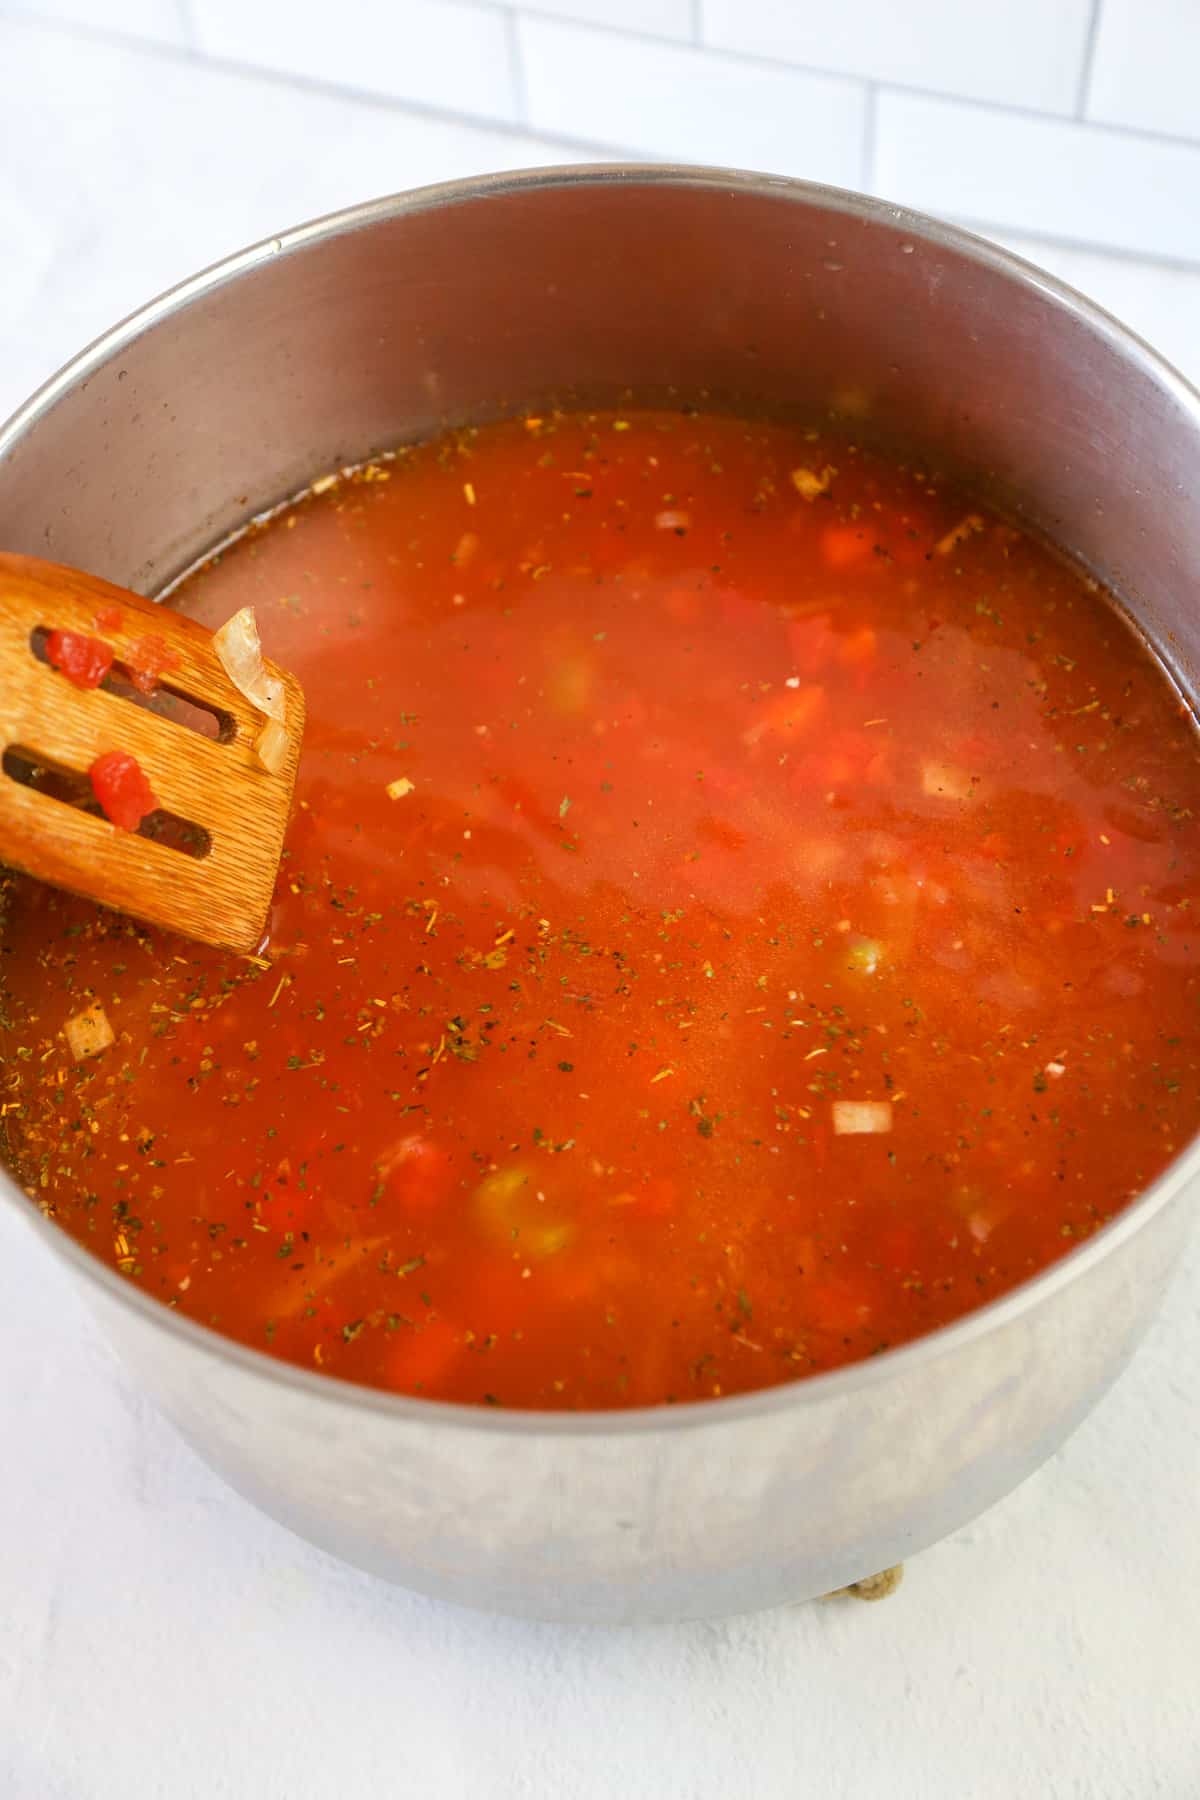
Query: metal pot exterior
461, 303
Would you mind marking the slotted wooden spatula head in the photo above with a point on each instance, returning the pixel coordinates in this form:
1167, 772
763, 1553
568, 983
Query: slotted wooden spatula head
203, 861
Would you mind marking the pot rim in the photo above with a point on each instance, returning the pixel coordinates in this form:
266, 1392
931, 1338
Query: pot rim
805, 1391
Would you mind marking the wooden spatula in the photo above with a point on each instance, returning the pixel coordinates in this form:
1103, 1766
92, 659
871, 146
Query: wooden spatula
202, 862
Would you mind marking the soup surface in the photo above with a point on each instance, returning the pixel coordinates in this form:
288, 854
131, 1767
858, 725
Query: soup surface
738, 916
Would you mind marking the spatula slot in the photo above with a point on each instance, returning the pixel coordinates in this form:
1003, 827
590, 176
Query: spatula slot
70, 788
170, 703
164, 699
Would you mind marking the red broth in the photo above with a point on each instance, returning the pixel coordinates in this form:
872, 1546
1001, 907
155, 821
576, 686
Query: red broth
738, 916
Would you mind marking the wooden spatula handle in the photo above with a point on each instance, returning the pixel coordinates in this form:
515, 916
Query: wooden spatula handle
219, 786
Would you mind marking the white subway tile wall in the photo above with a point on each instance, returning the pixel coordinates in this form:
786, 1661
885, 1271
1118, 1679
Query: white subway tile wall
683, 103
1041, 175
1072, 119
174, 163
444, 53
650, 18
157, 21
1146, 64
1023, 53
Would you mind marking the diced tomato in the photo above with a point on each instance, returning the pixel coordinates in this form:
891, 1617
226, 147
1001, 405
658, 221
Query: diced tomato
858, 647
109, 618
655, 1199
846, 546
813, 644
148, 661
897, 1247
83, 660
119, 784
519, 796
652, 1199
972, 747
682, 604
720, 832
418, 1174
806, 1256
786, 716
841, 1304
842, 757
422, 1355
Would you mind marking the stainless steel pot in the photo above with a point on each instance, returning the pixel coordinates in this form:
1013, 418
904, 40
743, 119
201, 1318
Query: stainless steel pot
460, 302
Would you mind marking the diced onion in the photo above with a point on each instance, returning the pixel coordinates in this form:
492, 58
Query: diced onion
509, 1207
350, 1254
239, 648
864, 956
397, 789
808, 484
942, 781
857, 1118
672, 521
962, 531
89, 1032
270, 746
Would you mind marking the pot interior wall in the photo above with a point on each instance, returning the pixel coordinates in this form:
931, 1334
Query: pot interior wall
703, 288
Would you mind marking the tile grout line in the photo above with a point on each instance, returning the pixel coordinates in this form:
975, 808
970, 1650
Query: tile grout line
516, 67
870, 108
207, 61
783, 65
533, 9
780, 66
996, 231
189, 36
1087, 64
604, 150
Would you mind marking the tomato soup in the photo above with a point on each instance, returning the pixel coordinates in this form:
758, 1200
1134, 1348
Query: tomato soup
739, 915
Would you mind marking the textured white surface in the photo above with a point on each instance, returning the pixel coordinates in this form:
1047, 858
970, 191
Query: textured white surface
788, 85
161, 21
445, 53
684, 103
1145, 66
159, 1638
982, 53
660, 18
1064, 180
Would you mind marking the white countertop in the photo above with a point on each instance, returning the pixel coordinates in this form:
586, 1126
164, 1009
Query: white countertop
159, 1637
